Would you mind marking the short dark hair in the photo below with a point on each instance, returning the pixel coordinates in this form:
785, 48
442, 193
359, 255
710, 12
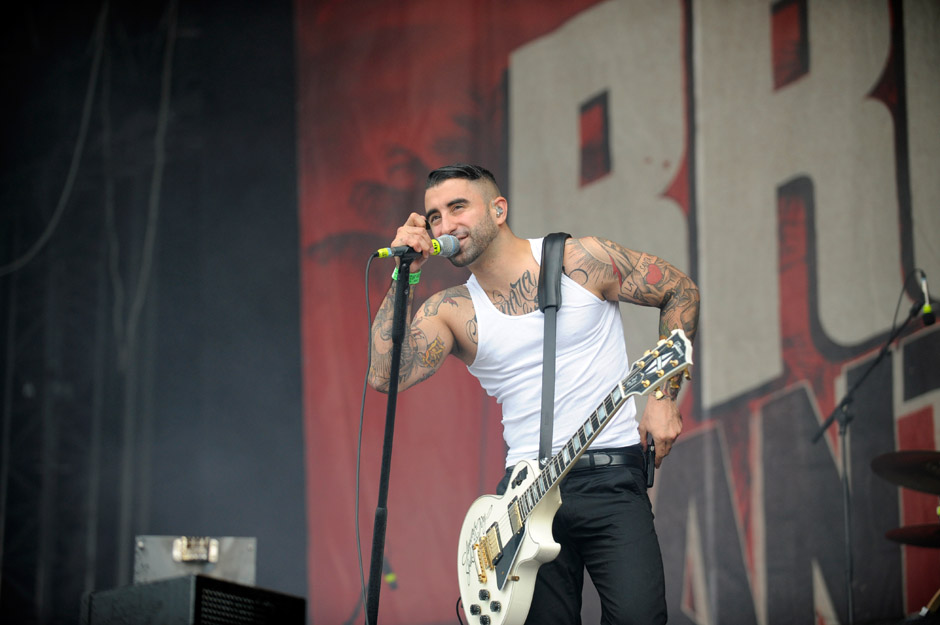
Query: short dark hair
461, 170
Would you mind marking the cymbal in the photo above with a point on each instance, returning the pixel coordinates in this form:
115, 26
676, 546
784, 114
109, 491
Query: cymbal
918, 535
919, 470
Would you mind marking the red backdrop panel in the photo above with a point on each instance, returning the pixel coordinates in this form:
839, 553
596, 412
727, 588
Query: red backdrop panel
388, 91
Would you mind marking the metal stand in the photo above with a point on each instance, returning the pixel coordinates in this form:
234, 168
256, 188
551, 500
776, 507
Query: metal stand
402, 290
844, 416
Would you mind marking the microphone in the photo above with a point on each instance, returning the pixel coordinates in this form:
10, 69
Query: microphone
446, 245
927, 309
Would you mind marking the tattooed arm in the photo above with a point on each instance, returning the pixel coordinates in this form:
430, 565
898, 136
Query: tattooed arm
439, 328
428, 338
618, 274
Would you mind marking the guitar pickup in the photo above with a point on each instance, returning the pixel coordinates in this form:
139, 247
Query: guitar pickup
493, 544
515, 516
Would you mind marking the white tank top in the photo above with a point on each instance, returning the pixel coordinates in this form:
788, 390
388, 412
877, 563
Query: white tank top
591, 358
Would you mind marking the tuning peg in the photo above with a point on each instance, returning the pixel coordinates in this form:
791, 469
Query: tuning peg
659, 394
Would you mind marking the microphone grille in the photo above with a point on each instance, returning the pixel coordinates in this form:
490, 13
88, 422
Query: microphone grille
449, 245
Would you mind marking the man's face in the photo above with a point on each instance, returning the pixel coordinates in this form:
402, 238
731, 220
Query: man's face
458, 207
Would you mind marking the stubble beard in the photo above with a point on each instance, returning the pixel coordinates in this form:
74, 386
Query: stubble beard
476, 243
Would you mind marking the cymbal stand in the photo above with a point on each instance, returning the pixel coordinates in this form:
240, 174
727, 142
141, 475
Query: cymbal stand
844, 416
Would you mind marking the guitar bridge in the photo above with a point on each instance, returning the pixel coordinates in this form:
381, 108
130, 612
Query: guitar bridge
488, 552
482, 560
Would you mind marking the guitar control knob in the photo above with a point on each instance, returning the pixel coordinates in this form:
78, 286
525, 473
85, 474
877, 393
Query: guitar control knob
495, 606
475, 609
484, 620
484, 595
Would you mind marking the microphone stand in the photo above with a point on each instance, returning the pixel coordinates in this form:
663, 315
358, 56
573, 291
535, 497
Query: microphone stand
844, 416
402, 290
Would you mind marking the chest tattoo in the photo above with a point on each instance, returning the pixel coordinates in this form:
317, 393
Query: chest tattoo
522, 297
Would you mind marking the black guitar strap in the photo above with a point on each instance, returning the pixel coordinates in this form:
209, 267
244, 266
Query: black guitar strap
553, 252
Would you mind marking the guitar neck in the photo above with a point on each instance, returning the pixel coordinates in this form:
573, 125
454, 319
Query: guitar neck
561, 463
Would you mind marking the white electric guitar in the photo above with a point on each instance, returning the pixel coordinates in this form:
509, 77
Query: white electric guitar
505, 539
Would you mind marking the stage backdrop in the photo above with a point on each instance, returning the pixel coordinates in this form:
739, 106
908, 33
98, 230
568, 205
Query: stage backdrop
783, 153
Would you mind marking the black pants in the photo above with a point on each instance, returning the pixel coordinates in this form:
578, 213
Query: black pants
605, 524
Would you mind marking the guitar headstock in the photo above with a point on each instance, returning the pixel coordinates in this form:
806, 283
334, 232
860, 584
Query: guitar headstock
670, 356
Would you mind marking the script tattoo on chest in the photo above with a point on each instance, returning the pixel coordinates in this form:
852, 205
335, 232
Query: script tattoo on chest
523, 296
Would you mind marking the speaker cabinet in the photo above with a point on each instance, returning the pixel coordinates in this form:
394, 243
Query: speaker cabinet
191, 600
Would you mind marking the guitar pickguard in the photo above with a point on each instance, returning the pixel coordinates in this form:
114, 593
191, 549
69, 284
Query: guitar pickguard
504, 564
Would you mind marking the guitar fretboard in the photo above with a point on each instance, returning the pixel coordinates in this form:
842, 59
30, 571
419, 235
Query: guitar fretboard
559, 464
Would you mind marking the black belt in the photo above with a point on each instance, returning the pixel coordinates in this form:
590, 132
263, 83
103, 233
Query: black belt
630, 456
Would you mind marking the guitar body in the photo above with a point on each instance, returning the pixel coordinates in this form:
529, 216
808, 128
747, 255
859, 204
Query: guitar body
504, 590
